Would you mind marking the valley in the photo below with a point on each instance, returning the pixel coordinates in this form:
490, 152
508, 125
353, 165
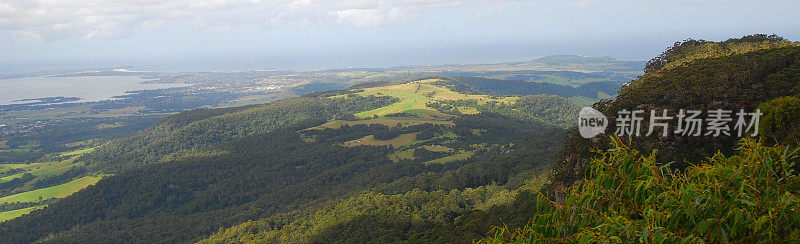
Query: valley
42, 144
416, 141
434, 154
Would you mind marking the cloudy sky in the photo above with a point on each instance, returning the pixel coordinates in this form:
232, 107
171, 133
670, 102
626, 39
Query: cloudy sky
300, 34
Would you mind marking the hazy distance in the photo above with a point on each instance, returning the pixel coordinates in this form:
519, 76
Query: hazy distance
306, 34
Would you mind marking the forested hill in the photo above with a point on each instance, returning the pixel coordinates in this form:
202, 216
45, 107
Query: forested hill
740, 73
716, 198
191, 174
199, 129
683, 189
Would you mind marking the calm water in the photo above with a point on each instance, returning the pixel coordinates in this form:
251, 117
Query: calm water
88, 88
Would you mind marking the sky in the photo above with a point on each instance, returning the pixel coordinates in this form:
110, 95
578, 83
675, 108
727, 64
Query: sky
218, 35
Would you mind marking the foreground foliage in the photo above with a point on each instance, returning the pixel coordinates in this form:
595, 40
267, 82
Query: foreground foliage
749, 197
779, 124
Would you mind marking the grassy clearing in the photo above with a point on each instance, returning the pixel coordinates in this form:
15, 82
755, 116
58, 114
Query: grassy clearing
7, 215
414, 96
86, 143
408, 154
582, 101
27, 167
437, 148
396, 142
388, 121
47, 168
603, 95
478, 146
58, 191
55, 168
77, 152
4, 167
452, 158
44, 169
30, 146
429, 114
449, 135
468, 110
11, 177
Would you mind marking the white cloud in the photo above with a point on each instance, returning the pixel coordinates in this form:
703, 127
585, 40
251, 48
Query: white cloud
377, 13
582, 4
46, 20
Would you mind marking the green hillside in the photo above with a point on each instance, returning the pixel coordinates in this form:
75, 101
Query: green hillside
444, 159
193, 173
25, 187
201, 128
58, 191
750, 195
730, 80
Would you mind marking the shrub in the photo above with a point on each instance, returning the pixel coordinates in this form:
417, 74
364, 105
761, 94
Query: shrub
629, 197
780, 122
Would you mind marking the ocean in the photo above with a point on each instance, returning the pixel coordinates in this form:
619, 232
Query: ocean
87, 88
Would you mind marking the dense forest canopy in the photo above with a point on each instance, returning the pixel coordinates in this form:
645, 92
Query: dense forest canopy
198, 129
691, 49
